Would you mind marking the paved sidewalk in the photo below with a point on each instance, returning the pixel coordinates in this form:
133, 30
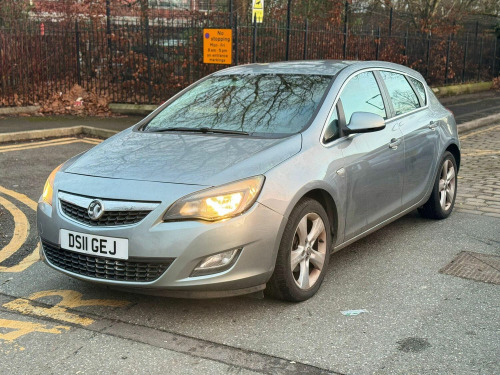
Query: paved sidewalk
465, 107
479, 176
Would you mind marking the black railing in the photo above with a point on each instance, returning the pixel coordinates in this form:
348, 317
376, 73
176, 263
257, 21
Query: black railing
151, 60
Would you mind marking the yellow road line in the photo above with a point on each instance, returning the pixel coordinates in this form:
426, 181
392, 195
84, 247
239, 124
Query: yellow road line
22, 145
20, 197
92, 140
17, 329
70, 299
21, 230
479, 132
480, 152
33, 257
25, 263
55, 142
40, 146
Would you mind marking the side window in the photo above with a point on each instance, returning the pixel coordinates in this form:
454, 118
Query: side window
419, 86
362, 94
402, 95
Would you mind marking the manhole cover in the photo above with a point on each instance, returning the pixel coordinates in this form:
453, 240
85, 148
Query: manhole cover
474, 266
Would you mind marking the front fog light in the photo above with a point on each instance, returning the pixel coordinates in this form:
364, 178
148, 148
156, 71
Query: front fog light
216, 263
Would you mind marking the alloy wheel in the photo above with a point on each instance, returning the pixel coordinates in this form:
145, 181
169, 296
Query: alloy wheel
447, 185
308, 251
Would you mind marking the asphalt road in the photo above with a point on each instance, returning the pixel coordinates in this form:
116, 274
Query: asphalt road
473, 106
418, 320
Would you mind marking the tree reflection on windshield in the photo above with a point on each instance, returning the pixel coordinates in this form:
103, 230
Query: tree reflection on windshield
266, 103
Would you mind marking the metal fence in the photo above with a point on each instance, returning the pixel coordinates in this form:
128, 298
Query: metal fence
147, 62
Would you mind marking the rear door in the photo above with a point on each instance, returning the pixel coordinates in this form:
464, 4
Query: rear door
412, 116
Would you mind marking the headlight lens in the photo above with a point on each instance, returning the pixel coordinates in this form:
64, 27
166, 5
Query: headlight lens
48, 189
217, 203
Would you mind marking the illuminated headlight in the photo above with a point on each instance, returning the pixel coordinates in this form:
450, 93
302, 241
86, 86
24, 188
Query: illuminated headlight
216, 263
48, 189
217, 203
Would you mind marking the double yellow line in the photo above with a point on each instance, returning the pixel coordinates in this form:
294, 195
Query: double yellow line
53, 142
21, 223
21, 231
468, 135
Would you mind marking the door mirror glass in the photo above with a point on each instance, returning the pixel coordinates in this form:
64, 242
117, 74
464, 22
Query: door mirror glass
365, 122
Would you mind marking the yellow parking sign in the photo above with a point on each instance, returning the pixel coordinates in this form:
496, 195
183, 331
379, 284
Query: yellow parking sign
217, 46
258, 10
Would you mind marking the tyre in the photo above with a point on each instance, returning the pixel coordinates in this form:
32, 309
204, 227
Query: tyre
303, 254
444, 191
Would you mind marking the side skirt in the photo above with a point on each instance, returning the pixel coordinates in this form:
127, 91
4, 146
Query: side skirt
380, 225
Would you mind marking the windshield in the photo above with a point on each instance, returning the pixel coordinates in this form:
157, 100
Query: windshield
267, 103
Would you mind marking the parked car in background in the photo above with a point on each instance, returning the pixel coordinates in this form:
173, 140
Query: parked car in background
250, 178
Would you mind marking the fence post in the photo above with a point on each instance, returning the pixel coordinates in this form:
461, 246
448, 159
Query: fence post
77, 42
494, 73
405, 53
465, 56
447, 60
230, 12
480, 61
287, 51
345, 29
428, 55
390, 22
306, 25
254, 40
148, 55
235, 39
377, 55
108, 37
108, 24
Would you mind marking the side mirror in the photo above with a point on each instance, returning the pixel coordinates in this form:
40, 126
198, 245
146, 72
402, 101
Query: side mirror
364, 122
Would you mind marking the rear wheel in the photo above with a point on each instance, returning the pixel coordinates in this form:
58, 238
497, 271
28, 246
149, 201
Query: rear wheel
444, 192
303, 254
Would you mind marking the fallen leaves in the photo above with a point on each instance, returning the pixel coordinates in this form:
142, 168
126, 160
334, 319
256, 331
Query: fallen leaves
76, 101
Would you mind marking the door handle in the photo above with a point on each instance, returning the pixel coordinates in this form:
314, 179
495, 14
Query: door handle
433, 125
395, 143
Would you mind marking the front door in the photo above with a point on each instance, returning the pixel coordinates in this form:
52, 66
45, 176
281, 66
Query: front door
374, 162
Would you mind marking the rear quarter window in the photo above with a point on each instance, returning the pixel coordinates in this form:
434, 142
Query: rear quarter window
419, 86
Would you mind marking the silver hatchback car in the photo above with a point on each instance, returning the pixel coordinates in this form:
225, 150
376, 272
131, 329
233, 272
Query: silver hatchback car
248, 179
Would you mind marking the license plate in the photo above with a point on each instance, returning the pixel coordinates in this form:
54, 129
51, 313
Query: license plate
100, 246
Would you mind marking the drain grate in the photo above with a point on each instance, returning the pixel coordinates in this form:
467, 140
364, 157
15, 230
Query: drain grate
474, 266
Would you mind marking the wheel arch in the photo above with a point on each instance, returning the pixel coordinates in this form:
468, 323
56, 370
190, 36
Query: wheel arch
455, 151
326, 200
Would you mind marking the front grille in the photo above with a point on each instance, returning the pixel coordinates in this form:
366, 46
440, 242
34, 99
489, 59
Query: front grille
104, 268
109, 218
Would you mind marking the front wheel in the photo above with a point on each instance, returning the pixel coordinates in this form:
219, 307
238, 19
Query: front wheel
444, 191
303, 254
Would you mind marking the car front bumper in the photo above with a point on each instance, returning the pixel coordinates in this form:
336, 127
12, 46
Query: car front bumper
182, 244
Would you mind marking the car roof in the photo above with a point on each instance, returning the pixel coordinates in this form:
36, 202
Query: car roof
311, 67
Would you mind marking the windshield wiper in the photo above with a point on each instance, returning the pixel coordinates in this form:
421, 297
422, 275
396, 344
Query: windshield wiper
201, 130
